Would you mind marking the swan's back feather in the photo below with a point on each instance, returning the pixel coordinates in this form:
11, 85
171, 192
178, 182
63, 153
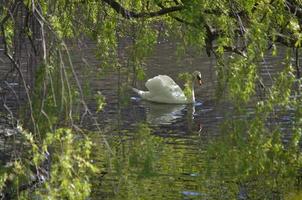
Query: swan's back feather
159, 82
163, 89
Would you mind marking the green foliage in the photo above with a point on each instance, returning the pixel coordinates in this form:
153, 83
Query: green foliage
187, 78
252, 149
241, 82
9, 34
3, 178
145, 39
256, 157
70, 168
138, 165
58, 96
100, 100
107, 42
142, 155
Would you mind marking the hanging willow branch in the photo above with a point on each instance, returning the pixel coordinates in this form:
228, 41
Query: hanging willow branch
131, 14
15, 64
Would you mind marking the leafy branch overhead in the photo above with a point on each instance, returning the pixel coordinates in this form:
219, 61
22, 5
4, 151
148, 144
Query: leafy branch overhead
131, 14
240, 18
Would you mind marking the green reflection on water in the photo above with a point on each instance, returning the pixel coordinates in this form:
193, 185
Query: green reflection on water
146, 166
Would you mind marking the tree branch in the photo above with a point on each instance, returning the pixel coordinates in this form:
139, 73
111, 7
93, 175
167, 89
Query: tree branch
131, 14
294, 9
14, 62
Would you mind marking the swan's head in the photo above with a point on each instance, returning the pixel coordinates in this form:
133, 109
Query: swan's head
197, 76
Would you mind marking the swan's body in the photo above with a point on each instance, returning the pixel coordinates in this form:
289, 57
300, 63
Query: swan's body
163, 89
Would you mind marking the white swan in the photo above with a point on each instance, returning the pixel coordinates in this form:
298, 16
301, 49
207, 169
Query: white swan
162, 89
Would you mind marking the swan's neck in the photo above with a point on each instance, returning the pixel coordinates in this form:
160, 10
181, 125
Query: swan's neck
192, 90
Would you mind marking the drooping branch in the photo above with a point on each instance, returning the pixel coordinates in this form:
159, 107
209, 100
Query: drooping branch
16, 64
131, 14
294, 8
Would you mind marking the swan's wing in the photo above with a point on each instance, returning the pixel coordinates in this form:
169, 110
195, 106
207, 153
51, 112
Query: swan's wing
164, 87
162, 84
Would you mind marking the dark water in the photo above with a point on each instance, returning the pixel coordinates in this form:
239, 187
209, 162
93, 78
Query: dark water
160, 151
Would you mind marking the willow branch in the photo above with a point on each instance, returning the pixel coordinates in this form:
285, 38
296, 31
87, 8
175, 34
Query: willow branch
17, 67
128, 14
294, 9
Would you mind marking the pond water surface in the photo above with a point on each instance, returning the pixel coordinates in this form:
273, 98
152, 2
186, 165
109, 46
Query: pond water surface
160, 151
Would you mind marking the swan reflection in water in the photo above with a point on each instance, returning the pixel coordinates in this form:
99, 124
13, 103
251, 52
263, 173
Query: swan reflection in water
165, 114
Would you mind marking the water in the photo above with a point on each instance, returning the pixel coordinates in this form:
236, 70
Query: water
163, 151
160, 151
